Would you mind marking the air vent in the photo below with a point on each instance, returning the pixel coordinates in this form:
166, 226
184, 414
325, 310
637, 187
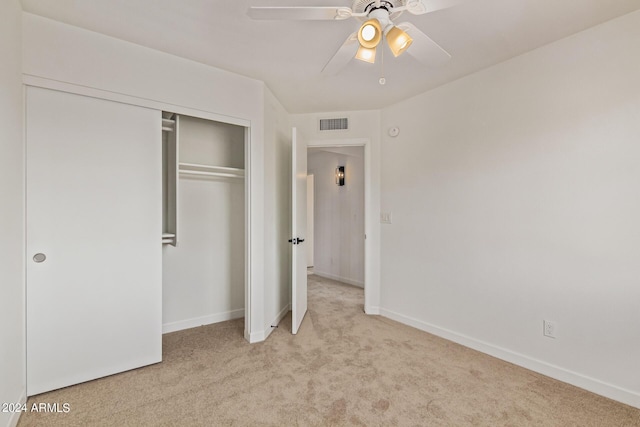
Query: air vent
334, 124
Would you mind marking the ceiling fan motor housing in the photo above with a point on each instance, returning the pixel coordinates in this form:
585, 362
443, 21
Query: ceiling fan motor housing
386, 6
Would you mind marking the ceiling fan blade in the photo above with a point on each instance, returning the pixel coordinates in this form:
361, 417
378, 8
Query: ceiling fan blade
423, 48
302, 13
420, 7
345, 54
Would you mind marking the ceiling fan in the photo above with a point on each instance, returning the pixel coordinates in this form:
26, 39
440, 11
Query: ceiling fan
377, 23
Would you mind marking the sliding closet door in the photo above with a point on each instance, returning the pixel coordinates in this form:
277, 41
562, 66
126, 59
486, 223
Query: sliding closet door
93, 238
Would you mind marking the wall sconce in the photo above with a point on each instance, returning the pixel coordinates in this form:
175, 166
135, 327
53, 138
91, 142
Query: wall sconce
340, 175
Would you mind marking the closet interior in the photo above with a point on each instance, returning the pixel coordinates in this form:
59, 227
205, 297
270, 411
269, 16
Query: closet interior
203, 236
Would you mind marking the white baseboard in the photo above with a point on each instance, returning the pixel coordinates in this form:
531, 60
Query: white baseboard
15, 416
260, 336
203, 320
372, 310
346, 280
593, 385
277, 320
254, 337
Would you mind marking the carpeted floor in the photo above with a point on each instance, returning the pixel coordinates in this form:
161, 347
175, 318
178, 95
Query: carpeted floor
343, 368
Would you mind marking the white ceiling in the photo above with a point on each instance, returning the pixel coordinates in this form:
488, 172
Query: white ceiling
289, 55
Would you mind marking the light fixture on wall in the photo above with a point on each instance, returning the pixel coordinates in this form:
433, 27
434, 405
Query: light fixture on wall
340, 175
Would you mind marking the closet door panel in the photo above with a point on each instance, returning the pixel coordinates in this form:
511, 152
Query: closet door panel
94, 211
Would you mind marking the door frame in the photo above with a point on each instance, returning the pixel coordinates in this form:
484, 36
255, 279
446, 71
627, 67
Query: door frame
310, 215
371, 215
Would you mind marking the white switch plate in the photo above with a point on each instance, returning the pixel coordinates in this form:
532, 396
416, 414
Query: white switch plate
385, 217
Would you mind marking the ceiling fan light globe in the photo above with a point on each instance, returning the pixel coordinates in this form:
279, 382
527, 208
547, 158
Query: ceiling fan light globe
398, 40
370, 34
366, 54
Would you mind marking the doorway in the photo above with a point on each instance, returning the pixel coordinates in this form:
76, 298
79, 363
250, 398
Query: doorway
337, 221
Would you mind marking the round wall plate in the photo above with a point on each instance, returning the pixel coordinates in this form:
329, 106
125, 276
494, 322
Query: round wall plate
394, 131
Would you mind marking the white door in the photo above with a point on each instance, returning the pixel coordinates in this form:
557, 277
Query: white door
298, 230
93, 225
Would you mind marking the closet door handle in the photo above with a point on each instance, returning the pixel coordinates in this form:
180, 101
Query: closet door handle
296, 241
39, 257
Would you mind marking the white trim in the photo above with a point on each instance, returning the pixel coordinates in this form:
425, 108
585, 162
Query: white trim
15, 417
255, 337
203, 320
262, 335
248, 277
593, 385
372, 310
346, 280
371, 216
46, 83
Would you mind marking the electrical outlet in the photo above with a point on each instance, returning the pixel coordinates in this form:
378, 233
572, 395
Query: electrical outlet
385, 217
549, 328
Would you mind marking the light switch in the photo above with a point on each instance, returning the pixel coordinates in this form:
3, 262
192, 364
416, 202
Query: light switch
385, 217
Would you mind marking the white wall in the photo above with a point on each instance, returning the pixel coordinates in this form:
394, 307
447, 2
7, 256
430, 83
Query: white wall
65, 54
277, 140
12, 327
515, 198
203, 276
339, 214
364, 128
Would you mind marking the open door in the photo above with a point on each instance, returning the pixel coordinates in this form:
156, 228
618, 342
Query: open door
298, 230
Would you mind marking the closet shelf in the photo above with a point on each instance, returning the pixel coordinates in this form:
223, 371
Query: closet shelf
168, 237
212, 171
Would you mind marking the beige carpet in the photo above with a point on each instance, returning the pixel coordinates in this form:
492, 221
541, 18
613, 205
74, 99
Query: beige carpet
343, 368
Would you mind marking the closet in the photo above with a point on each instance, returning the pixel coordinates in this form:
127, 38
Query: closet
203, 221
135, 226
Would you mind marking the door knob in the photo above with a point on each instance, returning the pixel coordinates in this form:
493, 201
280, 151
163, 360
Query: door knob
39, 257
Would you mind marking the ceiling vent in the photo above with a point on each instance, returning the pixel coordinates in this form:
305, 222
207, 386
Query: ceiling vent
334, 124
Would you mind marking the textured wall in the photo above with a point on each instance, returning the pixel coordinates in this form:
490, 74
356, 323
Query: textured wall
514, 194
